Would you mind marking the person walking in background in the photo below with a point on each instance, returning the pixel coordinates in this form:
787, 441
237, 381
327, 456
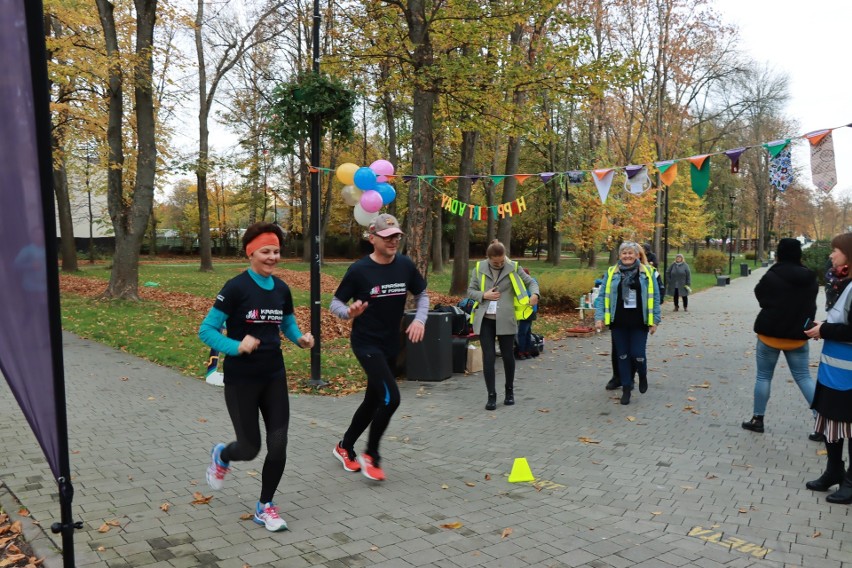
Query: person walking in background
833, 396
787, 296
254, 307
526, 349
629, 304
678, 282
503, 295
378, 284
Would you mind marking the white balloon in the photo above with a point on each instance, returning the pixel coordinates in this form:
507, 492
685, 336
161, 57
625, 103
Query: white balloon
363, 217
351, 195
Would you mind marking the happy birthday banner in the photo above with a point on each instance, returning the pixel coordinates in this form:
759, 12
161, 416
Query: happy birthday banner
360, 184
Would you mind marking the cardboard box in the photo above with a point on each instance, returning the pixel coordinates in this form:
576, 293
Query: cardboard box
474, 359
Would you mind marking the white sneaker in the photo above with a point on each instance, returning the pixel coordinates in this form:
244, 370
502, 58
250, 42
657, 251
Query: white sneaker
217, 469
267, 514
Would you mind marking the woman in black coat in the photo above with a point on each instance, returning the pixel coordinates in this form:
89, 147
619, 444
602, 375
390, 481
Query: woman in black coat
787, 296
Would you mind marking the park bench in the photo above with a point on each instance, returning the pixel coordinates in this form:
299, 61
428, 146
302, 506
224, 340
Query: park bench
721, 279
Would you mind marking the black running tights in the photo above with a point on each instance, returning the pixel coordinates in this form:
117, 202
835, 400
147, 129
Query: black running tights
244, 401
380, 402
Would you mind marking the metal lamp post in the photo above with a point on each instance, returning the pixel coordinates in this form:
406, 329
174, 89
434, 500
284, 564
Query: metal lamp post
731, 236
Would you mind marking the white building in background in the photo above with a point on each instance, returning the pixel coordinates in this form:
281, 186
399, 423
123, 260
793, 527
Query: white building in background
101, 226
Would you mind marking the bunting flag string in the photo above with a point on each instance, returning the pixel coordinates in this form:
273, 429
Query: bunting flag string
637, 179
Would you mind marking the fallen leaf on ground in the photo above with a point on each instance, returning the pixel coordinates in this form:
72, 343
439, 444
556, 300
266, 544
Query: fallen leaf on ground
444, 486
487, 477
470, 483
506, 532
246, 517
587, 440
631, 419
165, 507
544, 410
816, 534
704, 385
455, 525
691, 398
200, 499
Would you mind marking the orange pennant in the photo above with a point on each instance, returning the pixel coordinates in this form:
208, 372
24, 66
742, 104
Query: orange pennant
816, 137
601, 173
698, 161
522, 178
669, 175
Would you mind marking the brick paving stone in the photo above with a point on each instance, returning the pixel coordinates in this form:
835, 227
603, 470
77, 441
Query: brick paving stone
632, 499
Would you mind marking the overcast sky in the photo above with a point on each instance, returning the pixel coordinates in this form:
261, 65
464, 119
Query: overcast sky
810, 41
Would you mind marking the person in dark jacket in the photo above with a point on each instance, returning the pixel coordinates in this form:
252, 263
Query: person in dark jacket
833, 396
787, 296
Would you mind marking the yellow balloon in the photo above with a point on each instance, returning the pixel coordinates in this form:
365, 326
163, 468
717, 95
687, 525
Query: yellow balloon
346, 173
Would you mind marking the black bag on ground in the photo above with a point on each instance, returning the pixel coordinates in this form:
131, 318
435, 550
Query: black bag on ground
459, 323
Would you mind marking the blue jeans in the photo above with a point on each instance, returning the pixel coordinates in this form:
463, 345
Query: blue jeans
629, 344
767, 357
525, 336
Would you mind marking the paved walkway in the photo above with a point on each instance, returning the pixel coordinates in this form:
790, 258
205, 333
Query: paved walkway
670, 480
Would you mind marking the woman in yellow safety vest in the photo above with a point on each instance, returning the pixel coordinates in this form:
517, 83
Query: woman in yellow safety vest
503, 294
629, 303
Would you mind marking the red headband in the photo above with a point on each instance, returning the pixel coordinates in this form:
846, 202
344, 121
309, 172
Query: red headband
262, 240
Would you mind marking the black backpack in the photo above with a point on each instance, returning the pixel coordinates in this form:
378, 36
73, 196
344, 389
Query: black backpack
459, 319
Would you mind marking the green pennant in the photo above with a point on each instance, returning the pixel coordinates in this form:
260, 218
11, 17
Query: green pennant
497, 179
429, 179
700, 178
775, 147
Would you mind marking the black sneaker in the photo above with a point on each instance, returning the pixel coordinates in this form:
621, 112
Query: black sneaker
755, 424
816, 437
613, 384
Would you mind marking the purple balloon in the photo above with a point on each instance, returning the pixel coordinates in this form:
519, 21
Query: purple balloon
387, 192
365, 178
371, 201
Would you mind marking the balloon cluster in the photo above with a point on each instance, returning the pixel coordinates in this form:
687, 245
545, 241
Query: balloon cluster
366, 189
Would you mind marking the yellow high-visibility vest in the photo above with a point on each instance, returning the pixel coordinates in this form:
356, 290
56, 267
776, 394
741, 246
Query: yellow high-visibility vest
521, 299
608, 289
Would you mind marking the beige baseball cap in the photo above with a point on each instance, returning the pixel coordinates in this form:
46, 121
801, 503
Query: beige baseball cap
385, 225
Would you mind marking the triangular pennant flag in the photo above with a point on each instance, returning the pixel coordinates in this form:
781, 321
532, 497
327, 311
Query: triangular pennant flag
475, 178
603, 181
451, 178
699, 174
576, 177
428, 178
522, 178
823, 170
497, 178
632, 170
776, 146
816, 137
668, 171
409, 178
637, 181
781, 169
734, 156
546, 176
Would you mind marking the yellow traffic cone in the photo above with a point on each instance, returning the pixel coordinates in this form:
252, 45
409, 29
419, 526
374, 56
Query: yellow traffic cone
521, 471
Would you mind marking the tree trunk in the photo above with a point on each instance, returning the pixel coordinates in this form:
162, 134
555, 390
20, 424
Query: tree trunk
304, 191
437, 239
390, 119
202, 167
461, 256
67, 248
130, 216
510, 184
420, 195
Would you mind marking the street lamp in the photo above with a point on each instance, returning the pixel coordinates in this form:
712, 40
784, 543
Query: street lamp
731, 236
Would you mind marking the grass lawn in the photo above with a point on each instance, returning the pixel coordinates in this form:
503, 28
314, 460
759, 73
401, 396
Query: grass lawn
167, 336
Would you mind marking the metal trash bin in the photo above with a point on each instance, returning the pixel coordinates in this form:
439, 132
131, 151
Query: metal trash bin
723, 280
430, 359
744, 269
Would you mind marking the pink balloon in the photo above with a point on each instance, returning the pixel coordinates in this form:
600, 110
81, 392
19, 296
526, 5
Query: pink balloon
382, 168
371, 201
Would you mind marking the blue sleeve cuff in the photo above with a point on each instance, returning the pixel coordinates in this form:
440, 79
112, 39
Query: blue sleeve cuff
291, 329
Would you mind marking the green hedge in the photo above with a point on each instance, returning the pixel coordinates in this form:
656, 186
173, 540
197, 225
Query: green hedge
707, 261
815, 257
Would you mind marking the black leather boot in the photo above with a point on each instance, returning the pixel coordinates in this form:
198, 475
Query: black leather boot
844, 494
510, 397
492, 401
625, 396
755, 424
834, 471
613, 384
